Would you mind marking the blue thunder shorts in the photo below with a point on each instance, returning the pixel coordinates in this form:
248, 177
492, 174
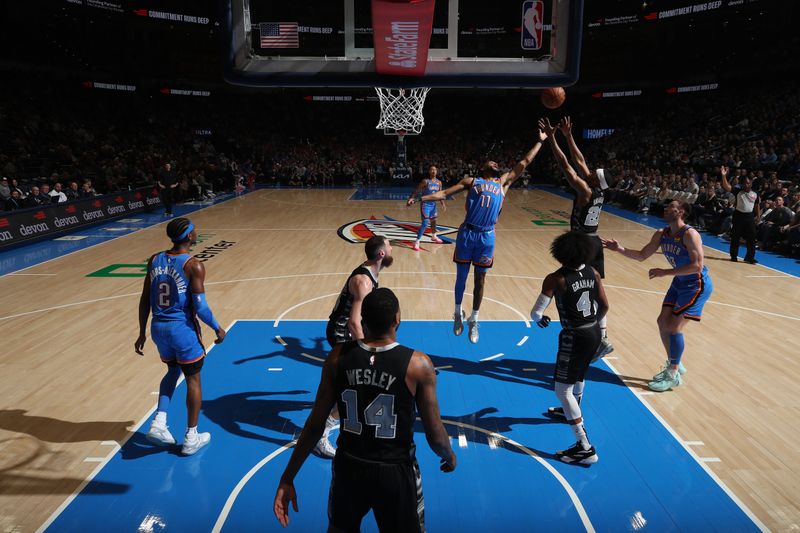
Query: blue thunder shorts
475, 246
177, 341
428, 209
688, 294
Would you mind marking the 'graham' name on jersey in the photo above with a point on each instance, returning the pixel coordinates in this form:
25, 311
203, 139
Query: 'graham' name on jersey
367, 376
583, 284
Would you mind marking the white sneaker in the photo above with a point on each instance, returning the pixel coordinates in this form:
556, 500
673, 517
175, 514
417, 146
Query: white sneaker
473, 331
458, 322
324, 448
191, 444
159, 434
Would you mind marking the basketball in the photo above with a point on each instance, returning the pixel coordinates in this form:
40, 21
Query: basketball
553, 97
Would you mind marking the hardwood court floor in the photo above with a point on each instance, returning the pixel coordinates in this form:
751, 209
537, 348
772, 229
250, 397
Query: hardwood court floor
73, 387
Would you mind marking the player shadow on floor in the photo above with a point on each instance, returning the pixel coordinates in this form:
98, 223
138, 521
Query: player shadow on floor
293, 350
494, 424
54, 430
522, 372
233, 412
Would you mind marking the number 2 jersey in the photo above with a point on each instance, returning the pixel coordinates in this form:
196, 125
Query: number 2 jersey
170, 295
577, 303
586, 218
376, 409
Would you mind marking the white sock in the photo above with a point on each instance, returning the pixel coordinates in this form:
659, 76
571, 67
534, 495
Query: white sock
458, 310
330, 423
672, 372
474, 316
161, 418
191, 431
580, 434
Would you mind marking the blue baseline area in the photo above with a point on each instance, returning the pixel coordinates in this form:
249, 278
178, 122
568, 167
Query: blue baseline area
29, 255
258, 392
787, 265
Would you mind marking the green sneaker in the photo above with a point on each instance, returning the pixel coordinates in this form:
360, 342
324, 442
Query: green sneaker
663, 372
666, 383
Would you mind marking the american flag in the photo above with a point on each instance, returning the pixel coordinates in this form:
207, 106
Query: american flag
279, 35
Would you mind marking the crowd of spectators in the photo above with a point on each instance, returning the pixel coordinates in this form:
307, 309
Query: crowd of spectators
59, 144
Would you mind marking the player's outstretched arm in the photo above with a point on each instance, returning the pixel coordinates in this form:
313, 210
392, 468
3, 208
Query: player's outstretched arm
144, 311
197, 278
462, 185
420, 186
510, 177
422, 378
312, 431
581, 188
577, 156
640, 255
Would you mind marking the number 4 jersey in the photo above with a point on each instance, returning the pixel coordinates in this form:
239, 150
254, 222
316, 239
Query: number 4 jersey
376, 408
577, 303
169, 285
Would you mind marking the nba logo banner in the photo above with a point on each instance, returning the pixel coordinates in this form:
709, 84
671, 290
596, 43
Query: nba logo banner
532, 24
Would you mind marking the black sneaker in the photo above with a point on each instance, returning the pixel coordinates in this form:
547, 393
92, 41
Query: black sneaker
556, 412
577, 454
751, 261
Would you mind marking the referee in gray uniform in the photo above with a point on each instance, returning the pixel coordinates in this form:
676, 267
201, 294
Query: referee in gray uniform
747, 211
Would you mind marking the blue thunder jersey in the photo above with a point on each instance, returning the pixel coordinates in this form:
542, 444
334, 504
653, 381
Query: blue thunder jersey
675, 251
484, 201
169, 288
431, 186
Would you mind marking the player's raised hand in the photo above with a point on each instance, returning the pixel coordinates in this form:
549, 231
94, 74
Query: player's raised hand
544, 322
139, 344
565, 126
284, 495
546, 127
611, 244
220, 335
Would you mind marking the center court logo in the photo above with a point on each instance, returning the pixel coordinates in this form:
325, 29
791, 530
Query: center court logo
404, 232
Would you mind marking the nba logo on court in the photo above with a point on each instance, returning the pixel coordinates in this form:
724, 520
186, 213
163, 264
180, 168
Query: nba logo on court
532, 24
359, 231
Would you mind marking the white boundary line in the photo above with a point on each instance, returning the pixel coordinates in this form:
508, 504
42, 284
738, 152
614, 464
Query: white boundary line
291, 276
292, 308
117, 237
110, 456
697, 458
492, 438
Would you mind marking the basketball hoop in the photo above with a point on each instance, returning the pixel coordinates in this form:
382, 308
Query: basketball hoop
401, 109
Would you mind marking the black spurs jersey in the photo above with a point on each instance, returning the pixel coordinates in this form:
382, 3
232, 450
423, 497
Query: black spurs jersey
376, 408
577, 303
586, 218
341, 311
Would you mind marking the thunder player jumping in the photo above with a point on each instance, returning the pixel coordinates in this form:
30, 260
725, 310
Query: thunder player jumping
690, 289
428, 212
475, 242
173, 290
586, 206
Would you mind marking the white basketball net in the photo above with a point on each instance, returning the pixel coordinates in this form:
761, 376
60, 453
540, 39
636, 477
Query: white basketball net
401, 109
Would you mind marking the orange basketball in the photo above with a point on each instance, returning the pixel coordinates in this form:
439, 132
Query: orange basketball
553, 97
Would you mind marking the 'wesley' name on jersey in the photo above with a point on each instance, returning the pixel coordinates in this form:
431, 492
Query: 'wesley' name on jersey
366, 376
